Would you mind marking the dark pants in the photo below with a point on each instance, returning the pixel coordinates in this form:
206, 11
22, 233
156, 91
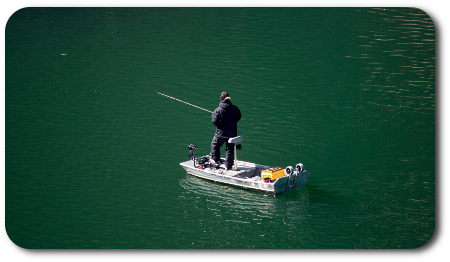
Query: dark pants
216, 143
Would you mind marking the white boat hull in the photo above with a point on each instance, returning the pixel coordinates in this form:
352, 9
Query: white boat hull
248, 175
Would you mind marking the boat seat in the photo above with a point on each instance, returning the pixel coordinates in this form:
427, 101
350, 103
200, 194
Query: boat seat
234, 140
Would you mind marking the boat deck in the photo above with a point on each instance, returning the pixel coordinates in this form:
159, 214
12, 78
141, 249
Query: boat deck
248, 175
244, 169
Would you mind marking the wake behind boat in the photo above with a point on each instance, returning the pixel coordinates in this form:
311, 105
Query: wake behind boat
267, 179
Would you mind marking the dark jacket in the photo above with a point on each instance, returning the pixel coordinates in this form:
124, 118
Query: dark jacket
225, 118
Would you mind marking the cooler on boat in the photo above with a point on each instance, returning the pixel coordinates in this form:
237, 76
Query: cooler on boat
272, 172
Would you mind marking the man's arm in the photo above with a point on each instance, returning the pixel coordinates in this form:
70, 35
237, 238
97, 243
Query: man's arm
215, 118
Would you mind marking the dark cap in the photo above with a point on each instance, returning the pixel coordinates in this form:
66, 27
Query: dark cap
223, 95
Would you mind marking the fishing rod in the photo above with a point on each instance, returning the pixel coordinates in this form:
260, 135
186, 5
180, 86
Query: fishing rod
184, 102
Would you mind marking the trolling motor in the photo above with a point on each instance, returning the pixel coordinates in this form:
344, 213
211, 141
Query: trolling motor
198, 161
192, 150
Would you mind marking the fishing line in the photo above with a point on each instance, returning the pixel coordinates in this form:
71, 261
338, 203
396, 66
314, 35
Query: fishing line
184, 102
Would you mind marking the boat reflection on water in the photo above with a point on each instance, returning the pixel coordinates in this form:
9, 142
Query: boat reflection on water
232, 199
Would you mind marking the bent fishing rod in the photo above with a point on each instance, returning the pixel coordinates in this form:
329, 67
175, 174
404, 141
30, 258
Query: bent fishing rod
184, 102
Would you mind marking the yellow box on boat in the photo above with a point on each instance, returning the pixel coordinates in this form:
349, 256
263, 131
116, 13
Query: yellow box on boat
272, 172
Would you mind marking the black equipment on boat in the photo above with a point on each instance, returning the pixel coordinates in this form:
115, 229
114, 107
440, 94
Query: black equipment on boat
198, 161
192, 150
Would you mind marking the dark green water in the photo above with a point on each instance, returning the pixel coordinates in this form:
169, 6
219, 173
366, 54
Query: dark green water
92, 151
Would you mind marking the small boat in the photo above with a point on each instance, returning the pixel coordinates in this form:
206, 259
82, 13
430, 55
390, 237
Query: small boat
268, 179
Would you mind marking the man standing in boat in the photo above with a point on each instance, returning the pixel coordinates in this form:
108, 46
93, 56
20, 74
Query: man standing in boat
225, 118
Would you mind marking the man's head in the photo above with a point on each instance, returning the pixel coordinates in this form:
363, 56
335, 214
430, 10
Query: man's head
223, 96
